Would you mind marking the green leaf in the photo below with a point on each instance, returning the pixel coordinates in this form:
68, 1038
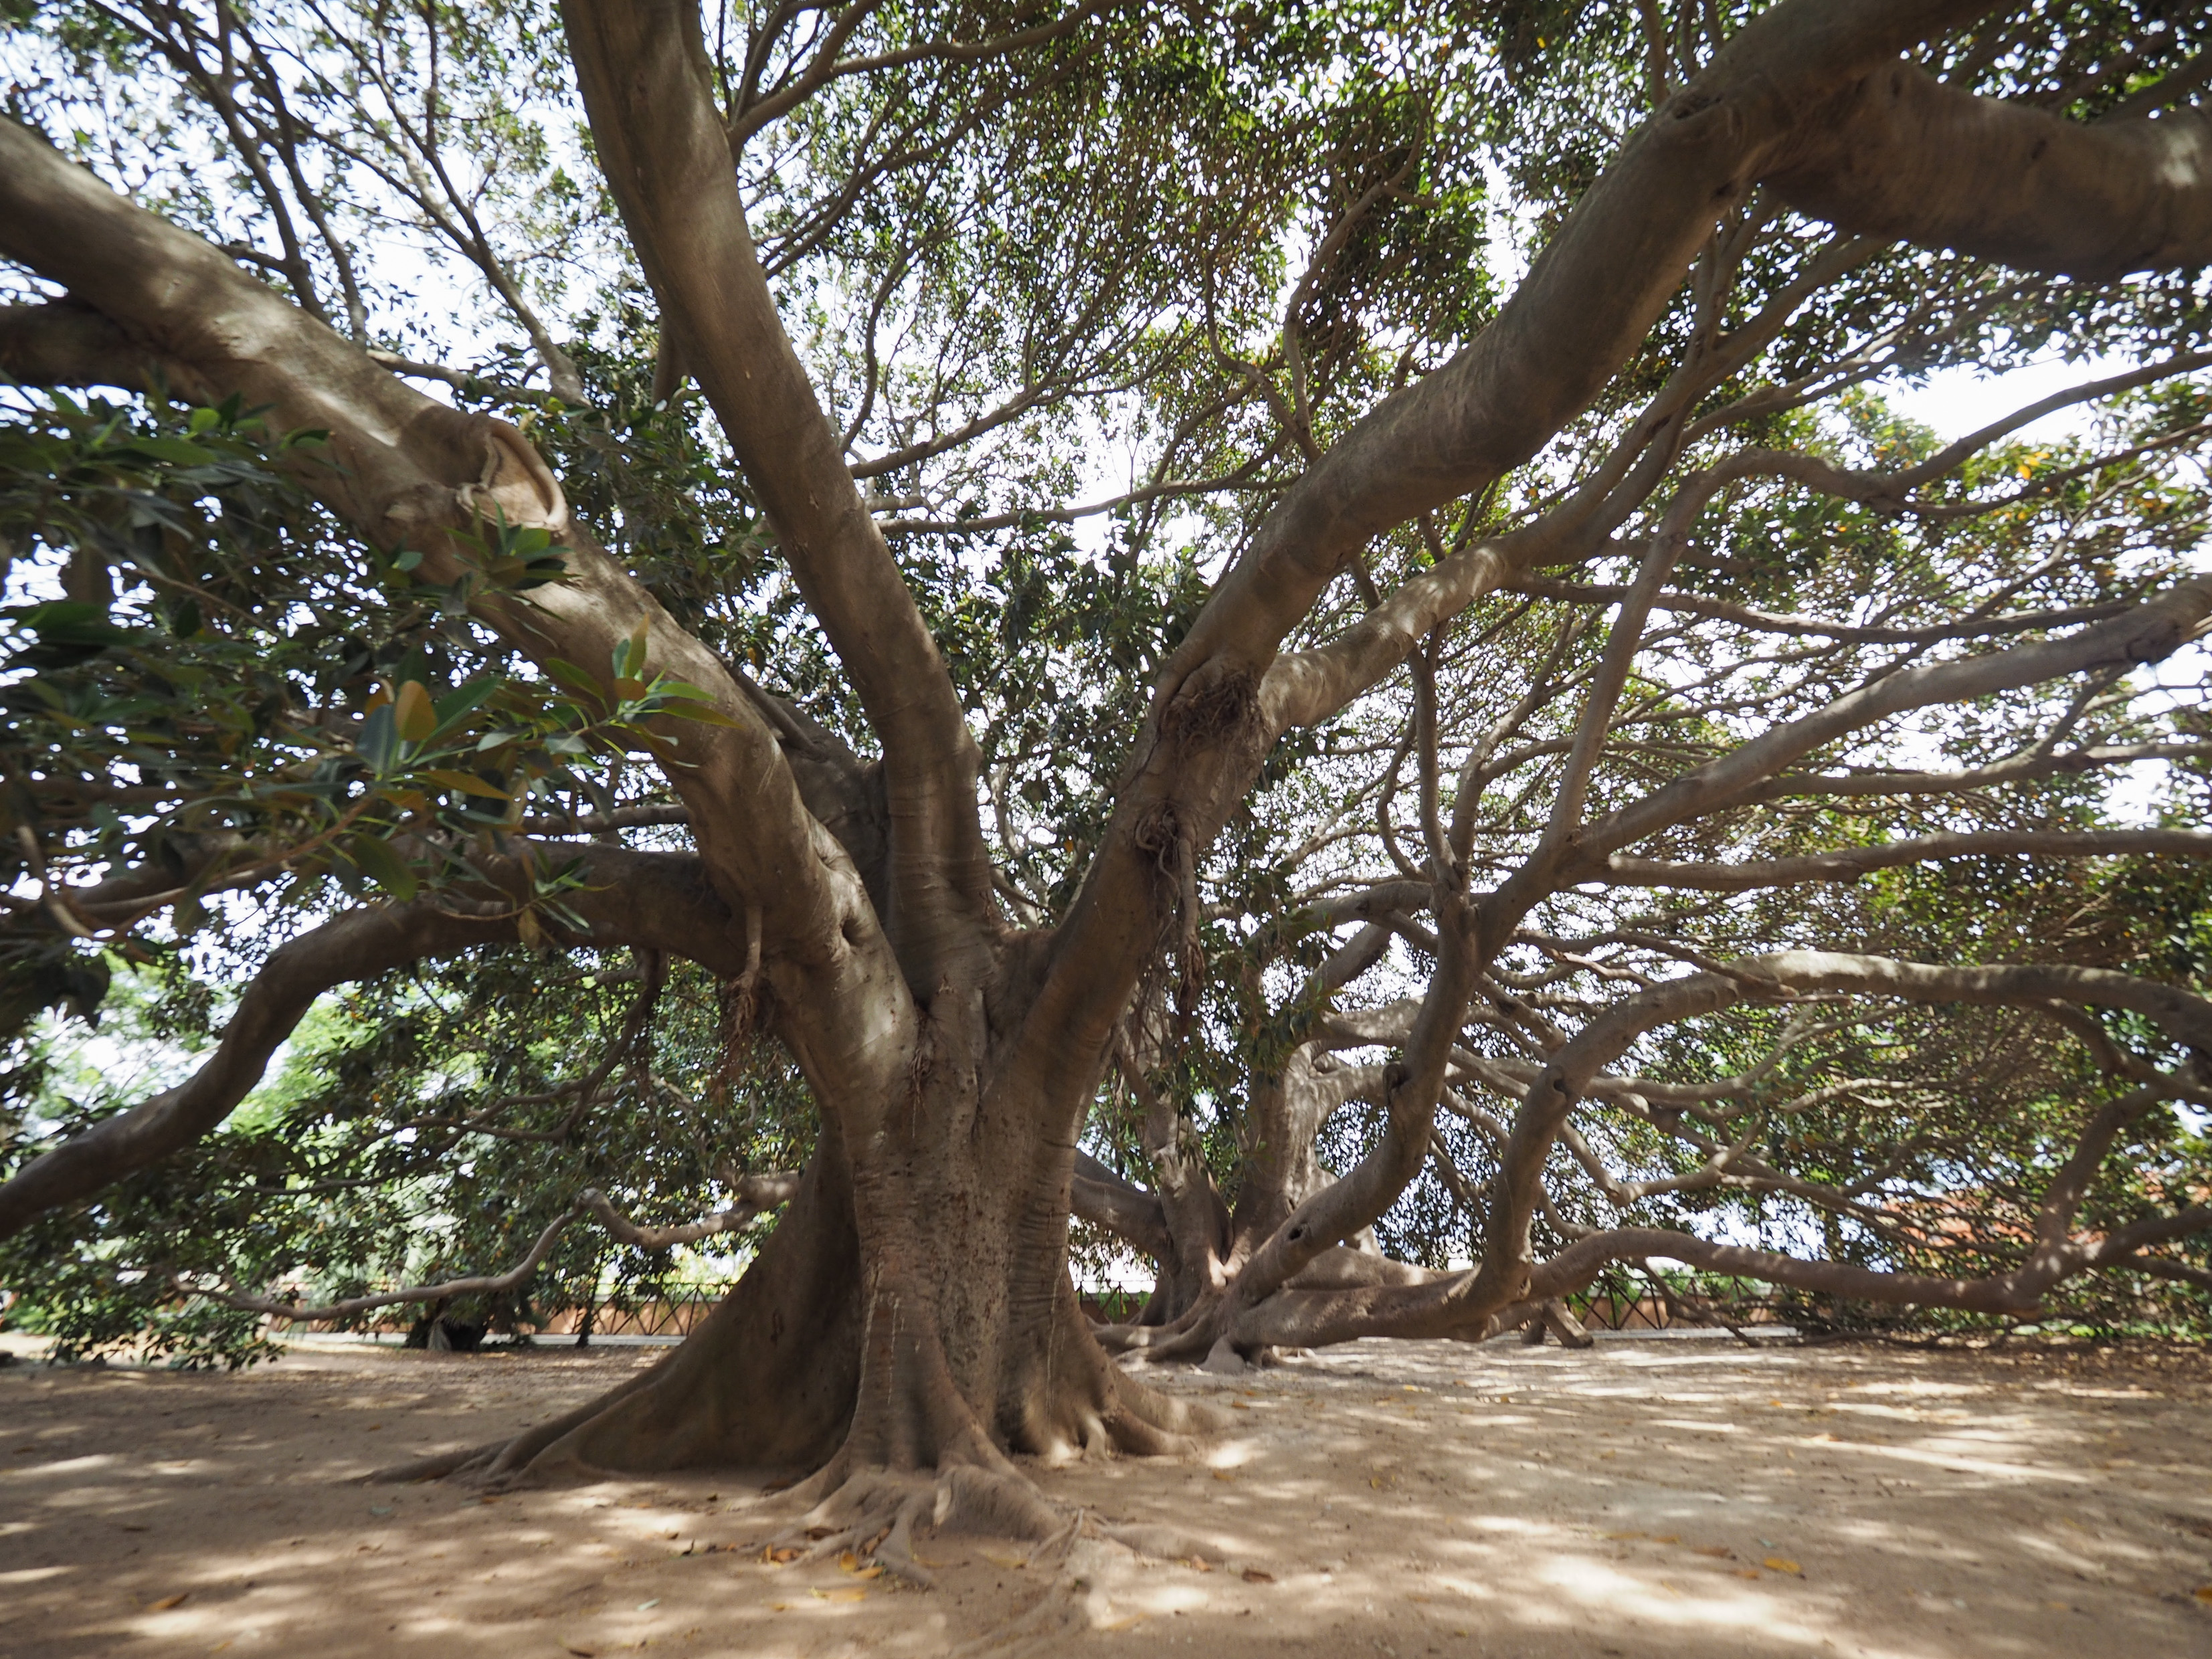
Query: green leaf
379, 743
456, 705
630, 654
177, 451
467, 782
575, 679
417, 717
704, 714
382, 864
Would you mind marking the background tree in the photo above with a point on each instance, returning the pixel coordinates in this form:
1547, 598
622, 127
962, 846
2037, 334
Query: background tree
1427, 385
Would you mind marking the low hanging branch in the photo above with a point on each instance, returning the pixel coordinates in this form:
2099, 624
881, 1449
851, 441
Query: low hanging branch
755, 1194
481, 1284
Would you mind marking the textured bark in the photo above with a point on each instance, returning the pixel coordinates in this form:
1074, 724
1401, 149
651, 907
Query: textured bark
1900, 155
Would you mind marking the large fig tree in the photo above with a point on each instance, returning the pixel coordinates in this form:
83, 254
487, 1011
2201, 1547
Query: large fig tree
716, 604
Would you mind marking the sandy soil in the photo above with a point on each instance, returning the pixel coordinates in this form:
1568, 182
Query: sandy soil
1644, 1499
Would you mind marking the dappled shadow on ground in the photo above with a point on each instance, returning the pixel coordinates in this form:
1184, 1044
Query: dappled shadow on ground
1643, 1498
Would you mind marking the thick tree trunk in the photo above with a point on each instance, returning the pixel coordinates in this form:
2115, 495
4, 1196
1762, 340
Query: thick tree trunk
972, 1338
912, 1312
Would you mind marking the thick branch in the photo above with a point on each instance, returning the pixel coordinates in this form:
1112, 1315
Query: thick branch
646, 84
481, 1284
1128, 1211
661, 900
69, 345
415, 473
2016, 1292
1589, 300
2147, 633
356, 945
1900, 155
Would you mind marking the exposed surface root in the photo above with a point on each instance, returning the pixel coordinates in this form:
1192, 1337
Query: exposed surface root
1188, 1337
872, 1514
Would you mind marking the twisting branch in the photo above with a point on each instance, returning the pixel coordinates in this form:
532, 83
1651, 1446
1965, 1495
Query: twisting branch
757, 1193
659, 901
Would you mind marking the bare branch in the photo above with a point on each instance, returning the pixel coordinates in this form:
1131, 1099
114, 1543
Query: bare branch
1848, 864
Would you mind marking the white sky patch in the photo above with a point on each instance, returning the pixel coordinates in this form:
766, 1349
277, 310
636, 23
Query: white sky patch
1957, 401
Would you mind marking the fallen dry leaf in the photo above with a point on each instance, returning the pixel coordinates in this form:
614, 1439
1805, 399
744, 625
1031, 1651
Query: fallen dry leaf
167, 1601
1011, 1563
1782, 1564
1747, 1572
1666, 1538
1225, 1474
856, 1593
1719, 1552
2203, 1592
772, 1557
1253, 1576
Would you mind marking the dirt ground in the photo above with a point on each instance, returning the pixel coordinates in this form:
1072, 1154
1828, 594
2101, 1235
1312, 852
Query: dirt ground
1646, 1497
